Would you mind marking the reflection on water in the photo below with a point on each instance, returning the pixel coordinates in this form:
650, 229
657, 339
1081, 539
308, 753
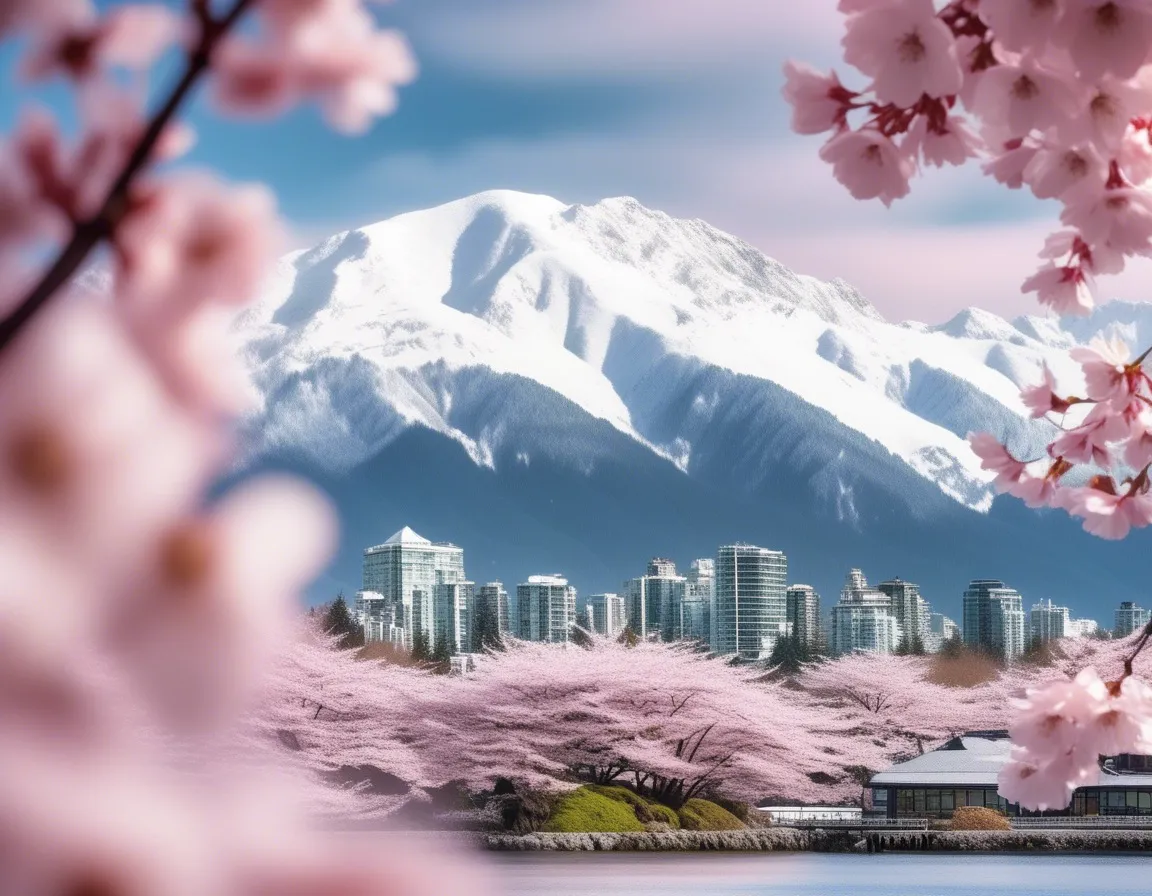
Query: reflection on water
811, 874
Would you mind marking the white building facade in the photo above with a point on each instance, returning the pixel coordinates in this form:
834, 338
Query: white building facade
750, 608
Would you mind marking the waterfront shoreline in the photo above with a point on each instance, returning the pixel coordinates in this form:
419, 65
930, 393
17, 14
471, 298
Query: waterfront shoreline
792, 840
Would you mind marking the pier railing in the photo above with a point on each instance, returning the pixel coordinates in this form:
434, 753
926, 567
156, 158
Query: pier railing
855, 824
1098, 822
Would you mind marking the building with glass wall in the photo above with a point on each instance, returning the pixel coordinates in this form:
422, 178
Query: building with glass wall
863, 620
909, 609
491, 619
406, 570
750, 608
1130, 618
941, 628
653, 601
1048, 622
546, 607
604, 614
994, 618
452, 615
805, 623
700, 590
963, 772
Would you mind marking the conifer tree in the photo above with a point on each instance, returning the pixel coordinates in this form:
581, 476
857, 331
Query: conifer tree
338, 621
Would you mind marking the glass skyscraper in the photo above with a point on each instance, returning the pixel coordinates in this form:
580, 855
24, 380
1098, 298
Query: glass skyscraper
994, 618
546, 607
406, 570
750, 609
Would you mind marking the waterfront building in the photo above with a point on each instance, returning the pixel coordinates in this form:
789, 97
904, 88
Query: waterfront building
863, 620
805, 623
1130, 618
909, 609
604, 614
546, 609
750, 608
1048, 622
994, 618
406, 570
963, 772
491, 619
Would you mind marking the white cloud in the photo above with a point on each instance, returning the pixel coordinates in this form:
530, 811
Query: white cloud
564, 37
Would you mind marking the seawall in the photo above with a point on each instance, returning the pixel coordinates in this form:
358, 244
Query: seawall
792, 840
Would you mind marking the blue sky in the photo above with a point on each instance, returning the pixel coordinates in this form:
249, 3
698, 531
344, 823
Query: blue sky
675, 102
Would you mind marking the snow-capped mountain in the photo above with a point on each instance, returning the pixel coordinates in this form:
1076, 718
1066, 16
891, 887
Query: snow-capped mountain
565, 352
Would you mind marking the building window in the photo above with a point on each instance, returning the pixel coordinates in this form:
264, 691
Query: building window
947, 801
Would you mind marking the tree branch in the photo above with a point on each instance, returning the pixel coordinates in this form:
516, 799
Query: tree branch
86, 235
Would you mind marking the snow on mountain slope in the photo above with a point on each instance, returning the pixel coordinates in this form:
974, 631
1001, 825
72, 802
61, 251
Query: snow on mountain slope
677, 335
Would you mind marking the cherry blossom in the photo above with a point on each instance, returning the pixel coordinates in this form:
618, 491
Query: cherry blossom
1042, 399
818, 101
1103, 38
1021, 25
1106, 370
869, 164
1021, 97
1053, 173
127, 760
1105, 512
995, 457
906, 49
133, 36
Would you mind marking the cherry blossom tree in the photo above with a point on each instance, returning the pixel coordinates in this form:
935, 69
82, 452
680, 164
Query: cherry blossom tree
1055, 97
121, 712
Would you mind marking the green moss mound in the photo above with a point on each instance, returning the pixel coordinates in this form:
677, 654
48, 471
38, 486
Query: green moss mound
646, 810
702, 815
583, 811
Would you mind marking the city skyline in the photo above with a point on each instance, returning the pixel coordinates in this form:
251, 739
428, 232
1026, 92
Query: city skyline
673, 594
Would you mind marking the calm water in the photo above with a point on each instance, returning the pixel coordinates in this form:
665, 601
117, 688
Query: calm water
809, 874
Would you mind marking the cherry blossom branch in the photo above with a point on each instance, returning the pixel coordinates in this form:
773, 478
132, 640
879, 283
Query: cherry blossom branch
86, 235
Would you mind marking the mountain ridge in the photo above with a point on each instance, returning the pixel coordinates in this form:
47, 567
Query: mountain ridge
507, 323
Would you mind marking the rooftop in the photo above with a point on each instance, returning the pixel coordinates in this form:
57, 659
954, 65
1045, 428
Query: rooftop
975, 759
407, 537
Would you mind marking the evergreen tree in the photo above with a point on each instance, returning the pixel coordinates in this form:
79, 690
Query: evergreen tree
910, 646
421, 648
628, 637
789, 655
443, 651
953, 647
338, 621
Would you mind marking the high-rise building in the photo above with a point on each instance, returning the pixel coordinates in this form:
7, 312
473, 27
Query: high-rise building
909, 608
994, 618
661, 566
406, 570
750, 609
1130, 618
452, 615
654, 601
546, 606
604, 614
1083, 628
805, 623
940, 629
378, 616
1048, 622
490, 615
700, 599
863, 620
